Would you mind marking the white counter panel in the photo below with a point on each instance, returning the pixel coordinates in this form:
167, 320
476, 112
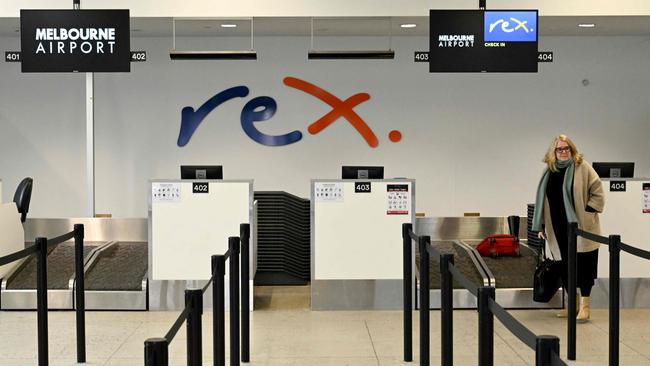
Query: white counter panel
623, 216
354, 238
187, 231
12, 238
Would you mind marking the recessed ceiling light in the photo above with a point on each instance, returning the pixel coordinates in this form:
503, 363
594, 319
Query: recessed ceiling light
586, 25
408, 25
229, 26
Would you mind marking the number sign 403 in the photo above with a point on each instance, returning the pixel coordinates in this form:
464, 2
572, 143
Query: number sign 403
362, 187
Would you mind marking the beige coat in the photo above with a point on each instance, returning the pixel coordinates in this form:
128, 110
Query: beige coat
587, 190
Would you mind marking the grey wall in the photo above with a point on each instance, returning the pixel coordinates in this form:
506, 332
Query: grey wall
473, 141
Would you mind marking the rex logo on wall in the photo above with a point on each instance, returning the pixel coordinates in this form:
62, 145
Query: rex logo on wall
263, 108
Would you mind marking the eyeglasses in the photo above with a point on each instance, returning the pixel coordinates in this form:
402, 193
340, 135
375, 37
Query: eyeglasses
564, 149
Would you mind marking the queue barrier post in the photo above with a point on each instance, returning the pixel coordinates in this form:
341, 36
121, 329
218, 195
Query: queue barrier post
156, 352
446, 310
485, 326
408, 295
218, 310
571, 291
41, 300
424, 300
80, 303
614, 297
545, 346
233, 247
244, 234
194, 301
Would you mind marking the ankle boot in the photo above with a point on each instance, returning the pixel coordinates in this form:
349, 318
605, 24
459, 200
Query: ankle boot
583, 315
563, 313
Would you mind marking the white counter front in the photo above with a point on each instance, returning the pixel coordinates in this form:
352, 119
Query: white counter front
357, 242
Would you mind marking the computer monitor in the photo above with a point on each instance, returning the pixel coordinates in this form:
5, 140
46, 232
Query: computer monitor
362, 172
614, 170
201, 172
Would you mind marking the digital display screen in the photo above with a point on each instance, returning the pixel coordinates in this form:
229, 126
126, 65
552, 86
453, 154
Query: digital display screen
75, 40
483, 41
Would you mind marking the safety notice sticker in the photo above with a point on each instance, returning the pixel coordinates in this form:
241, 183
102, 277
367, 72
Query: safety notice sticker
646, 197
398, 199
166, 192
329, 192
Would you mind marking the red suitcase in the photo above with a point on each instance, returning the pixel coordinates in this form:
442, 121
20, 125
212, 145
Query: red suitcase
498, 245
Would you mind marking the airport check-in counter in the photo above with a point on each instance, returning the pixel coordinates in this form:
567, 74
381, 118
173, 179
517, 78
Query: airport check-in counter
626, 199
512, 276
189, 221
356, 243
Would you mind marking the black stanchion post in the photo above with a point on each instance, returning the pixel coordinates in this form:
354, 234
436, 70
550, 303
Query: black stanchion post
80, 301
233, 245
446, 310
614, 297
408, 296
571, 291
545, 346
244, 234
424, 300
194, 300
218, 311
156, 352
41, 300
485, 327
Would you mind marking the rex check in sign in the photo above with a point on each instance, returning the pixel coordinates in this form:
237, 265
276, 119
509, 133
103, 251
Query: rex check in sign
75, 40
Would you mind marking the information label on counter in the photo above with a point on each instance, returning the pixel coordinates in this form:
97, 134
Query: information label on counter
398, 199
362, 187
617, 186
200, 187
166, 192
646, 197
329, 192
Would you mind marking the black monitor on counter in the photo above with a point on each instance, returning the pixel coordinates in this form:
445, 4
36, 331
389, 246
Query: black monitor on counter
614, 170
362, 172
201, 172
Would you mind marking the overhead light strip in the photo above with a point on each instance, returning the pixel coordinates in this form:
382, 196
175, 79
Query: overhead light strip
212, 55
351, 55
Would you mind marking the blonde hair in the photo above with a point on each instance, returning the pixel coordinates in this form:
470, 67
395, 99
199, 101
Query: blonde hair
550, 158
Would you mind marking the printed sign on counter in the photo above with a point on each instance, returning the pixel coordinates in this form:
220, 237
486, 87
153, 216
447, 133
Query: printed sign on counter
166, 192
329, 192
398, 199
646, 197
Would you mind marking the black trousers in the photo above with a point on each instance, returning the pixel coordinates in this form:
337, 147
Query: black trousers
587, 263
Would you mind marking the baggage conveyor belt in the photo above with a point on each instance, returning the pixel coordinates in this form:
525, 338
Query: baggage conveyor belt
19, 286
115, 278
512, 276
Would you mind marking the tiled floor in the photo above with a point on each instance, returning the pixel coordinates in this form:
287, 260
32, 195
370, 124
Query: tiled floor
297, 336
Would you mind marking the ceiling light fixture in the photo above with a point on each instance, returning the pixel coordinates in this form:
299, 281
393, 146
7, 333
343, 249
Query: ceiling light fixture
408, 25
314, 54
586, 25
175, 54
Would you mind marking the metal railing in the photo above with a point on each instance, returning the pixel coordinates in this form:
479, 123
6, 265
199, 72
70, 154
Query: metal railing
156, 350
40, 249
546, 347
615, 247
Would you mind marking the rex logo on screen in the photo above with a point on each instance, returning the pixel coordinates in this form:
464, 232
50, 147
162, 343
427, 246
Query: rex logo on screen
263, 108
510, 26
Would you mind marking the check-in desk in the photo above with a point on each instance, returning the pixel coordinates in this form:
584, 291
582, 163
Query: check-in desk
625, 200
189, 221
356, 242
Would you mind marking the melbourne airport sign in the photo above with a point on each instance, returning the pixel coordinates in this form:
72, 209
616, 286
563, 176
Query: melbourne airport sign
483, 41
75, 40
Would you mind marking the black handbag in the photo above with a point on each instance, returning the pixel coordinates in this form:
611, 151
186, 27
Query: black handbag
547, 279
